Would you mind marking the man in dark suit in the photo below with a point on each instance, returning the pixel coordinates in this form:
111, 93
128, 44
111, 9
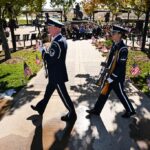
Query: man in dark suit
57, 71
117, 78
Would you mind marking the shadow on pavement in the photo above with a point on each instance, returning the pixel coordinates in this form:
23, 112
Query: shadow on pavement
139, 131
88, 90
37, 142
62, 137
128, 131
92, 133
50, 136
91, 140
26, 95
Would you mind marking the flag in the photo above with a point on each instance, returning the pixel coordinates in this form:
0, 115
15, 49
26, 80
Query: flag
37, 45
135, 70
93, 40
27, 70
37, 60
148, 82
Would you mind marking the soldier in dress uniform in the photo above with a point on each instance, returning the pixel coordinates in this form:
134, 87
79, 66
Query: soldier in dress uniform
57, 72
117, 78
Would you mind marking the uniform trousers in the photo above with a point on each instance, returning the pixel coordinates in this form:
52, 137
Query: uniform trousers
62, 91
118, 88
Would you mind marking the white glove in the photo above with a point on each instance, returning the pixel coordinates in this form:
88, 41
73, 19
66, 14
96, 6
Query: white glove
109, 80
41, 49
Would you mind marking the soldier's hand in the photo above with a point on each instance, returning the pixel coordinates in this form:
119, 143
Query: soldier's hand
109, 80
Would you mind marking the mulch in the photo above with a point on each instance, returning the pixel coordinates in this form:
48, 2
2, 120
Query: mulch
4, 106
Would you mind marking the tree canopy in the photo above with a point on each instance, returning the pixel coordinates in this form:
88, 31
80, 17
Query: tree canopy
138, 6
90, 6
11, 9
64, 4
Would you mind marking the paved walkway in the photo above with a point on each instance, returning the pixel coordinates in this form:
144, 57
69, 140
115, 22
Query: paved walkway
23, 129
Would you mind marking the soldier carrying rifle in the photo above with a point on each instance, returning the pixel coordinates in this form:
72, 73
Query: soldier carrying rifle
113, 75
57, 72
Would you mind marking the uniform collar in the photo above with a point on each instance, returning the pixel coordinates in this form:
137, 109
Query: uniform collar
118, 43
56, 36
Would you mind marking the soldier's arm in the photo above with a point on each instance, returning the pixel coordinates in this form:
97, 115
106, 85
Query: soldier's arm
109, 59
54, 53
110, 56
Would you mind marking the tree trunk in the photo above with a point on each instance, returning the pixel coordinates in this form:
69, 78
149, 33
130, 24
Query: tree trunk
17, 21
65, 17
90, 17
145, 30
27, 19
61, 17
128, 17
13, 35
93, 16
112, 18
4, 42
116, 15
39, 31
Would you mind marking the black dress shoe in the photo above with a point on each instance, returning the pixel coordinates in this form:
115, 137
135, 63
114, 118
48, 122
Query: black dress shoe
35, 109
93, 112
69, 117
128, 114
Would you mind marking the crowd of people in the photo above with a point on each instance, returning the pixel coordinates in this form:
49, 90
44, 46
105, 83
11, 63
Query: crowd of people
86, 31
82, 31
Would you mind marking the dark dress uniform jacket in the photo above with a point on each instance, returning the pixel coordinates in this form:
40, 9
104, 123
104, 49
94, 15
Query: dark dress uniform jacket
120, 69
55, 59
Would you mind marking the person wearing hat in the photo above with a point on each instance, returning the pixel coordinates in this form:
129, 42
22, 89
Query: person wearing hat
57, 72
117, 77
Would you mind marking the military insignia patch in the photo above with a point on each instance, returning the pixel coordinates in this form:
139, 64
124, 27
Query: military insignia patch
52, 52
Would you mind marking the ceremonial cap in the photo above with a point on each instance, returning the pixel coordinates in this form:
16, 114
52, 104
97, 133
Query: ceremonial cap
119, 29
53, 22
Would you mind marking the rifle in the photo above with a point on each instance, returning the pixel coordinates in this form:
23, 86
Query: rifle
45, 65
42, 38
105, 74
102, 73
43, 48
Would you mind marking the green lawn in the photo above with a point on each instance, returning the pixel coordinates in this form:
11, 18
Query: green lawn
12, 71
20, 22
143, 61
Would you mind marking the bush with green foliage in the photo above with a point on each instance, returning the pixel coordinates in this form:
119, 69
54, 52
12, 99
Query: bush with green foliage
108, 43
142, 60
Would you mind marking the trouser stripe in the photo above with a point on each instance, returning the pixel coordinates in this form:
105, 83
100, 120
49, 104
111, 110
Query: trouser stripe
124, 97
63, 97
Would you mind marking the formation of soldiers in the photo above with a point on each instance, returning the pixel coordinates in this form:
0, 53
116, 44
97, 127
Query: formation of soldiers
113, 72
